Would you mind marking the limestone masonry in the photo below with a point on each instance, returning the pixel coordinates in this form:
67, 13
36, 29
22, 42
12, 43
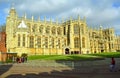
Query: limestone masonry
53, 38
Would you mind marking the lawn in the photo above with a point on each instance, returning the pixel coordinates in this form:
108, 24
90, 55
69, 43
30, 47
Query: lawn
84, 57
63, 57
97, 56
108, 54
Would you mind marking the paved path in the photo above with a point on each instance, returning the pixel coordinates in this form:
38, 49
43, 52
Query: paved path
58, 69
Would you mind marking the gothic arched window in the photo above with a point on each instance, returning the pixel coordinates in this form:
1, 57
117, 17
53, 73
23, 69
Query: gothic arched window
83, 42
31, 42
19, 40
76, 42
41, 29
53, 30
23, 40
76, 29
46, 42
47, 30
33, 28
59, 31
59, 43
38, 42
52, 42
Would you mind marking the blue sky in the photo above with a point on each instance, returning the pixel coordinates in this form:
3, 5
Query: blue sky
97, 12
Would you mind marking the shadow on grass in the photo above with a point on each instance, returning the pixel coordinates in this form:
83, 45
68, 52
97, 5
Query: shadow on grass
85, 58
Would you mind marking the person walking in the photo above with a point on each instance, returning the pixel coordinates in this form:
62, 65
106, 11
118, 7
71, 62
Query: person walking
112, 66
17, 59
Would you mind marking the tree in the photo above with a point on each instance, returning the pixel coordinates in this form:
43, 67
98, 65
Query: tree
2, 28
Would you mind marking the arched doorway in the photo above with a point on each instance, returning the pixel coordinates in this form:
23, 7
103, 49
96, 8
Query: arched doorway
102, 51
67, 51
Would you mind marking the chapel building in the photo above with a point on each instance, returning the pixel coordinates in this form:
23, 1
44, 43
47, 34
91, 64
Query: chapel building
53, 38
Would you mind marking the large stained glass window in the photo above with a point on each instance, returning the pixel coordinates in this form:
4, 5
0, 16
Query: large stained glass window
18, 40
33, 28
46, 42
23, 40
53, 30
52, 42
59, 43
83, 42
47, 30
31, 43
76, 29
41, 29
59, 31
38, 42
76, 42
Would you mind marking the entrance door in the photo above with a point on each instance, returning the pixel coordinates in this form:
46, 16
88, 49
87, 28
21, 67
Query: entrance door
67, 51
102, 51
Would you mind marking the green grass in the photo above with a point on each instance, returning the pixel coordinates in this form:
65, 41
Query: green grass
63, 57
96, 56
107, 54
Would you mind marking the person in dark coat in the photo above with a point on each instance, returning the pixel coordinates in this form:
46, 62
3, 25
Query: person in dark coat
112, 66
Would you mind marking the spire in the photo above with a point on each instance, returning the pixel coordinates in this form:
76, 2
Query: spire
56, 20
100, 31
12, 11
45, 19
84, 19
101, 27
71, 18
32, 17
25, 16
78, 17
12, 6
50, 20
39, 18
62, 19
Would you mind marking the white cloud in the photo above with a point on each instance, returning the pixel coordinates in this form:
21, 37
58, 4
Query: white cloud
104, 12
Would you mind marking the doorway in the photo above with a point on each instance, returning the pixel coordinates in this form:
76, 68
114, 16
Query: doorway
67, 51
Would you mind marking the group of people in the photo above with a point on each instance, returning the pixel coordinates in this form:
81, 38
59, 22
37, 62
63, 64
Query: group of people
20, 59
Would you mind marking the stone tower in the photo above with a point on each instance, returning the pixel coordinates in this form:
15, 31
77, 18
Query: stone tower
10, 27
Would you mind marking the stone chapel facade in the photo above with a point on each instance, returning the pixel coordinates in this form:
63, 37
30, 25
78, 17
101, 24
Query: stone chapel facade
54, 38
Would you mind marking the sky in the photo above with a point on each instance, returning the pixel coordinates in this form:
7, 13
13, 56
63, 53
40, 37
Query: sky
105, 13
